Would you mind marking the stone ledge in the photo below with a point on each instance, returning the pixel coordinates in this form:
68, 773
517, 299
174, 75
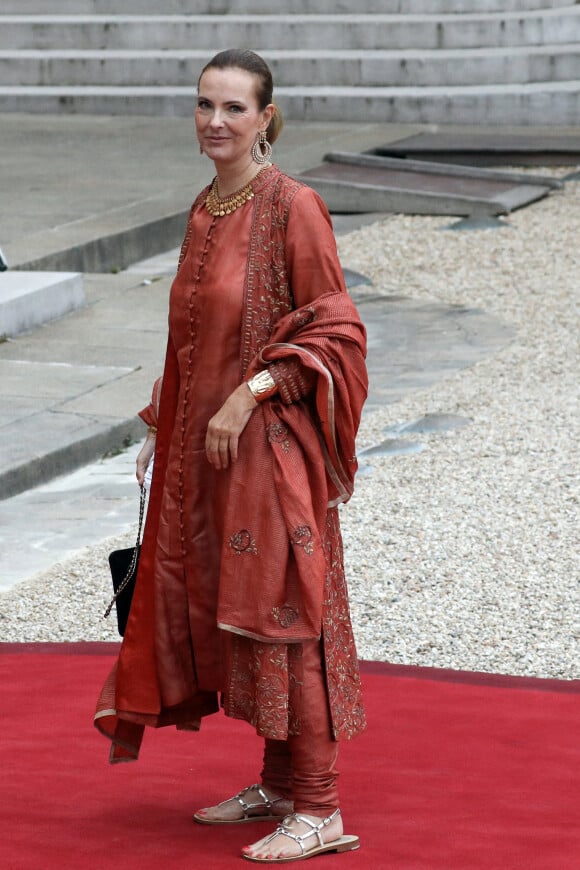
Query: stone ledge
29, 299
261, 7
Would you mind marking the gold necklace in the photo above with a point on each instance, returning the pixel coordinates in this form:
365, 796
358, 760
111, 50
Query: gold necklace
219, 206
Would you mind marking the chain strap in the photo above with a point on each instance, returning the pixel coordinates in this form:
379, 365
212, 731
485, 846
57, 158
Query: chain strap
133, 566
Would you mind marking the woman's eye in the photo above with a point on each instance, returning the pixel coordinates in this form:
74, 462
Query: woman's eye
203, 104
236, 109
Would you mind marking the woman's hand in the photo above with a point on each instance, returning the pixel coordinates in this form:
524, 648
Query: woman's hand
225, 427
144, 457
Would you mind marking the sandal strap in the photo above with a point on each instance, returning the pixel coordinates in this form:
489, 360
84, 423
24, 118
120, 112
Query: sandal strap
315, 830
265, 800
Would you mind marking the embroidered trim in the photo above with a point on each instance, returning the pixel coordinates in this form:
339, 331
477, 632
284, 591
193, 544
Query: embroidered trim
265, 677
267, 292
290, 380
342, 674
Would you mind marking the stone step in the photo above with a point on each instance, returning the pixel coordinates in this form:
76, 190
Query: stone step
306, 32
261, 7
552, 102
29, 299
293, 68
350, 182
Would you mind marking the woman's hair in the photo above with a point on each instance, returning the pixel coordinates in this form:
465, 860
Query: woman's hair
243, 58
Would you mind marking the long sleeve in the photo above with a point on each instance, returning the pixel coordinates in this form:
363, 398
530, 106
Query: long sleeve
150, 414
311, 255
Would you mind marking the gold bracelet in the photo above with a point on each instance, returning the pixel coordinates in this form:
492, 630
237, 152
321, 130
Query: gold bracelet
152, 430
262, 385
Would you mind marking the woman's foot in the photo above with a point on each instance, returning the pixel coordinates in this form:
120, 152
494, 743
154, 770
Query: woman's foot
253, 804
298, 835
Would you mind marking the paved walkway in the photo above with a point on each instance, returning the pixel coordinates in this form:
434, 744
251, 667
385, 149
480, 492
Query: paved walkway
69, 180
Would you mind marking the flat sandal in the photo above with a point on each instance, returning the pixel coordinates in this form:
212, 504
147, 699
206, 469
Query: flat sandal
264, 803
346, 843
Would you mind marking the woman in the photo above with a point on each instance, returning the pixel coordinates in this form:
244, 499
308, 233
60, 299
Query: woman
241, 586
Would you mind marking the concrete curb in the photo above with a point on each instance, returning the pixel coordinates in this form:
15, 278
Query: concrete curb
114, 251
41, 469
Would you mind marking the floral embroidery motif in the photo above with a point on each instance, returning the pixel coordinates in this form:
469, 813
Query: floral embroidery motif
303, 318
278, 434
242, 542
265, 686
285, 615
302, 537
265, 678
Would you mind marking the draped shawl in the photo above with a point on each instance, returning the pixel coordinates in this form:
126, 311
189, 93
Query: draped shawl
296, 461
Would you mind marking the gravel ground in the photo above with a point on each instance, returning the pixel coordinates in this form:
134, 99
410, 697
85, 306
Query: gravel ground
465, 554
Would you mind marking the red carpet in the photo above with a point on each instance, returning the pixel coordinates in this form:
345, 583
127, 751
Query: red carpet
456, 772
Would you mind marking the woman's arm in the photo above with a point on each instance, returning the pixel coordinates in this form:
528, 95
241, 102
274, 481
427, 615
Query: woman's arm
225, 427
150, 416
311, 254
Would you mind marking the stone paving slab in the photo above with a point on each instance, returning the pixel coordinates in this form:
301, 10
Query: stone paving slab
412, 345
51, 522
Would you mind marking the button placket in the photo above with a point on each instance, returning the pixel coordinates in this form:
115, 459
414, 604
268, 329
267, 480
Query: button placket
193, 330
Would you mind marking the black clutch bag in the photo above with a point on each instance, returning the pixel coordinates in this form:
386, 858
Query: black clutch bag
123, 565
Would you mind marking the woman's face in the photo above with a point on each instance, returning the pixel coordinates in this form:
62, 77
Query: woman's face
227, 116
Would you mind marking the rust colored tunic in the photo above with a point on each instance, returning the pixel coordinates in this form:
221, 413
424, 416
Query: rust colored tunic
205, 313
236, 280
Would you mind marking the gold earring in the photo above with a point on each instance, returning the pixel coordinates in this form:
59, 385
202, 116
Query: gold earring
261, 149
